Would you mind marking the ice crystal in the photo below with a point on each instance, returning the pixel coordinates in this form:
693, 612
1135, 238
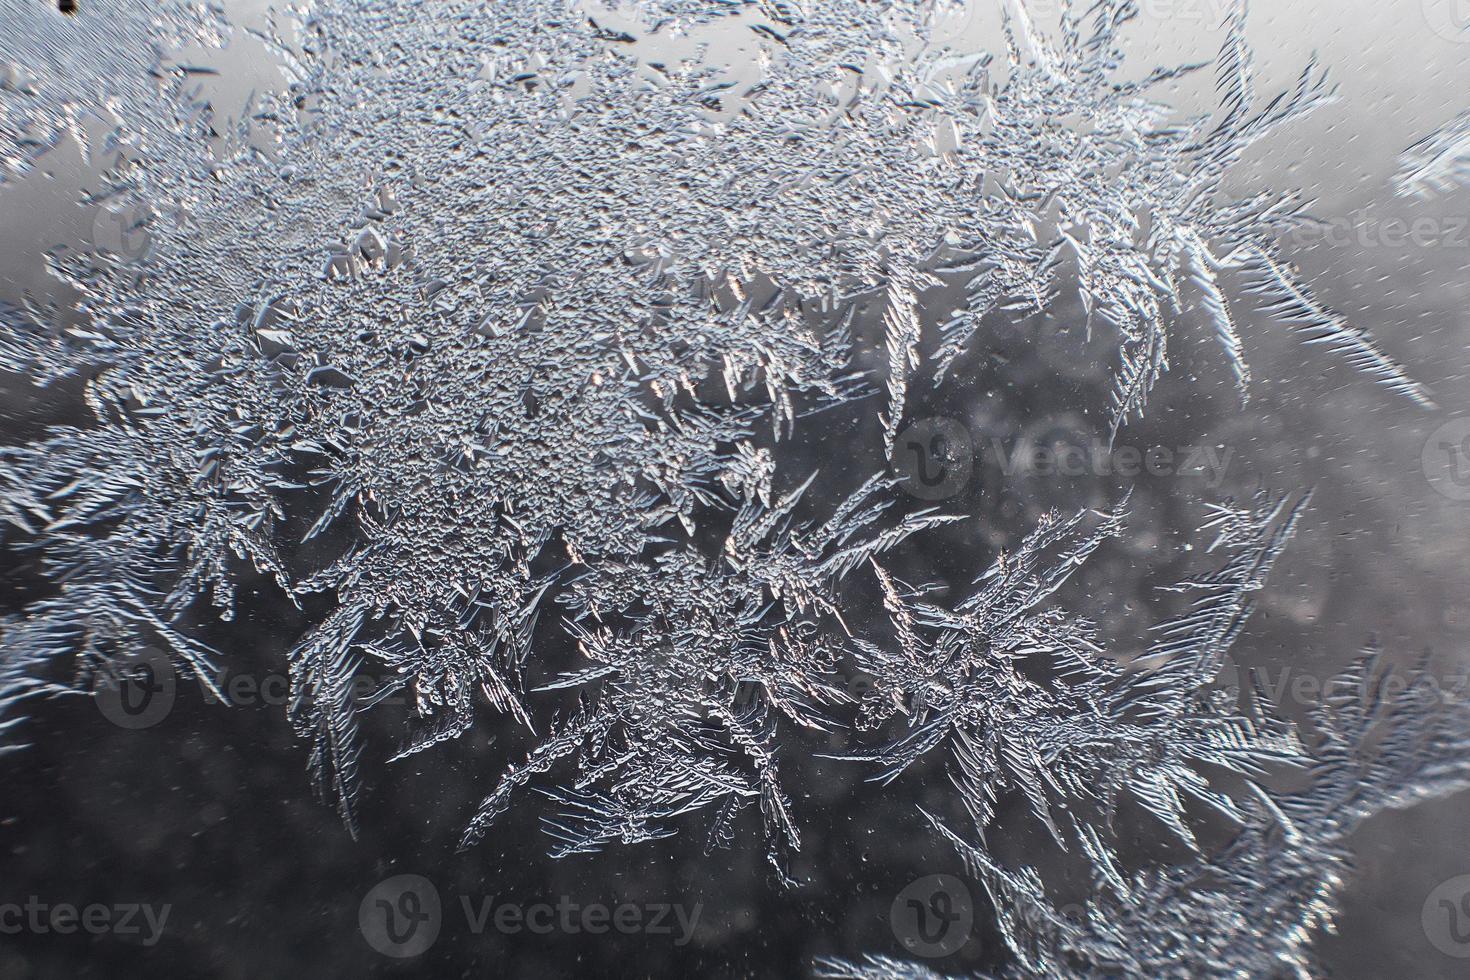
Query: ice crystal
1439, 162
1254, 907
1026, 700
1250, 908
715, 652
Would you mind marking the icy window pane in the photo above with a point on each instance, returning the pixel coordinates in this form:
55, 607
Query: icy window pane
843, 488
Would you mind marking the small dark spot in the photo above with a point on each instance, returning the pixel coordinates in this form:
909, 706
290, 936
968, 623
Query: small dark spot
66, 6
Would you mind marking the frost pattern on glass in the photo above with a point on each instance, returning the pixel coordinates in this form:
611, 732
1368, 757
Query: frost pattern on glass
492, 321
1439, 162
1253, 908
